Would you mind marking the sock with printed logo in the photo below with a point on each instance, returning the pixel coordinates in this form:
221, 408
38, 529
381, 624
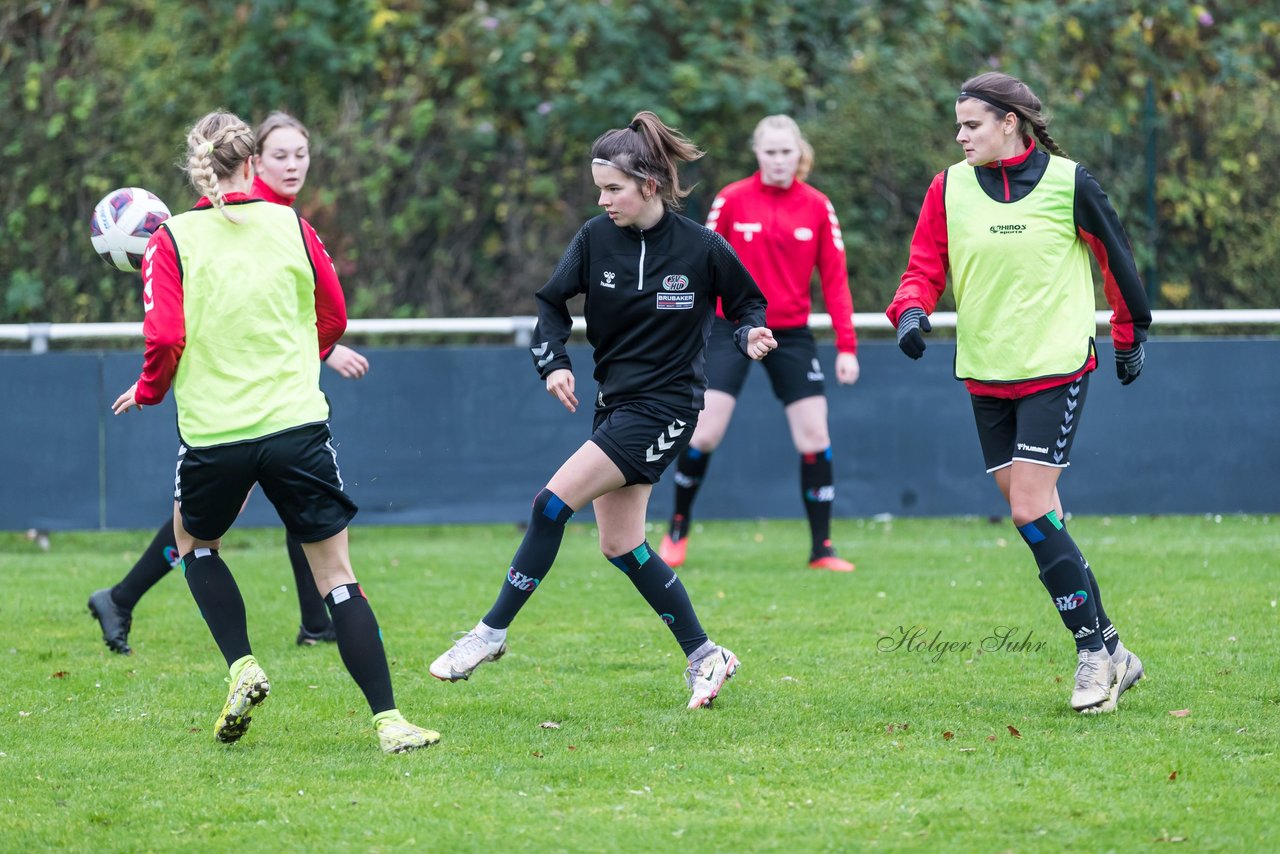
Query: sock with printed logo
154, 564
1063, 574
219, 601
665, 593
533, 559
817, 480
691, 468
360, 644
311, 605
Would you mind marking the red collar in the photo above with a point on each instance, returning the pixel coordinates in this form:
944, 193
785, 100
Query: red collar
1013, 161
229, 198
262, 191
773, 189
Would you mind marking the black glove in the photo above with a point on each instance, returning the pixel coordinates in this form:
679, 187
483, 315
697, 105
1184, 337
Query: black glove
1129, 363
910, 324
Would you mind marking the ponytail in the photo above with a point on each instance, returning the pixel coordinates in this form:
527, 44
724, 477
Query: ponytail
648, 150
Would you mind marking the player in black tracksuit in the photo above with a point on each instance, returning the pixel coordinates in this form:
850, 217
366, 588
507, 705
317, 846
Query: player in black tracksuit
651, 278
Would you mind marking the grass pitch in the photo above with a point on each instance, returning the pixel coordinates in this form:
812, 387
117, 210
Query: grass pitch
918, 703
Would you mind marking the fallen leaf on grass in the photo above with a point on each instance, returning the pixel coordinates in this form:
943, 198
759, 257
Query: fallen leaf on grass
900, 727
991, 738
537, 754
1014, 732
549, 725
1173, 776
194, 729
1180, 713
948, 735
60, 674
571, 747
1170, 839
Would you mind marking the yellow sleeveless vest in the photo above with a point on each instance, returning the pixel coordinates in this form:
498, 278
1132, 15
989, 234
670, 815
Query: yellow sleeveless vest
251, 364
1021, 279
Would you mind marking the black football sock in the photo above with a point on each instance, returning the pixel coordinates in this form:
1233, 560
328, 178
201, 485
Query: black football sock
360, 645
817, 486
311, 605
691, 469
219, 601
533, 559
663, 590
1110, 636
1063, 574
154, 564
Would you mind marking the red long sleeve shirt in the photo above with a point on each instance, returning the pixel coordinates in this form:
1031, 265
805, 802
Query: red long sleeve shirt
781, 235
1096, 224
164, 324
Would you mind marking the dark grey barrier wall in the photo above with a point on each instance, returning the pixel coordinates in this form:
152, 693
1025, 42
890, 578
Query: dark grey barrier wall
468, 434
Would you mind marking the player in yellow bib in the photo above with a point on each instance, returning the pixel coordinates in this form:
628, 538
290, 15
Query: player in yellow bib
1013, 225
240, 299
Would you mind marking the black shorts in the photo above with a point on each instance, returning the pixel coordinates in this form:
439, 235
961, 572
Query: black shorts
793, 368
298, 471
643, 439
1039, 428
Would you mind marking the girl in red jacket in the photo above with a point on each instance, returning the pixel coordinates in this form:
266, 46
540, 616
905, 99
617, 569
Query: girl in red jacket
782, 229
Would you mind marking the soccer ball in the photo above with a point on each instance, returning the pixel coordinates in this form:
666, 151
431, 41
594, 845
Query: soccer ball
122, 224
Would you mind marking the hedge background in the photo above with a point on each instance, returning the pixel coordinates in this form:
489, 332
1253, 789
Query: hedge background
450, 138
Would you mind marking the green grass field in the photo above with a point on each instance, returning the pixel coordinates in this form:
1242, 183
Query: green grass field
823, 741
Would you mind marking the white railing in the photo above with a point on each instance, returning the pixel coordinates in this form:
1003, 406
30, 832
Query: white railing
520, 328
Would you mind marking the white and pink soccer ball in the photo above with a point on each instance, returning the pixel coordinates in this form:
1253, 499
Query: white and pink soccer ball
122, 224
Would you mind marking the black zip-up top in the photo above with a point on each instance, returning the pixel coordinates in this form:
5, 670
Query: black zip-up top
650, 299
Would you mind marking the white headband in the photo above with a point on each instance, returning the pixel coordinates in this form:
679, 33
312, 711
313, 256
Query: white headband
602, 162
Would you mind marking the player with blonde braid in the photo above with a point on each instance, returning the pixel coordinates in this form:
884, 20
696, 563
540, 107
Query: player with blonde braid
253, 301
281, 159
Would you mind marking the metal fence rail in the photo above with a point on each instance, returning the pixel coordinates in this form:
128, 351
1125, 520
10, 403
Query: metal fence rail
520, 327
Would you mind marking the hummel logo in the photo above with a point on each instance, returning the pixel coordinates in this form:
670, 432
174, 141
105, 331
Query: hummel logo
666, 439
748, 230
607, 282
544, 347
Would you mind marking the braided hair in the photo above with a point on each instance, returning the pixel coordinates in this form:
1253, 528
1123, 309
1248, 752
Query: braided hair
999, 90
217, 146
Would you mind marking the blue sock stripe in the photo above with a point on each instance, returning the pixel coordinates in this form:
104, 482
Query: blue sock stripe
1031, 533
642, 554
621, 562
827, 454
553, 507
693, 452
